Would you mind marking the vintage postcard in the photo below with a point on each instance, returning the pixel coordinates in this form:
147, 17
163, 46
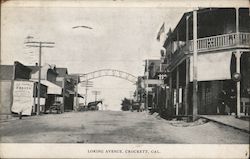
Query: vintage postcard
125, 79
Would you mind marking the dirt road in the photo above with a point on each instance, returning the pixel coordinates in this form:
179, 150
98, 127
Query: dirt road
113, 127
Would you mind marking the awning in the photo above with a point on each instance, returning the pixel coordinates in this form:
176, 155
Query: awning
52, 88
212, 66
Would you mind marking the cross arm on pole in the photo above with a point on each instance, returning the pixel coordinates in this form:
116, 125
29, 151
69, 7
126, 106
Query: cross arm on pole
32, 45
37, 42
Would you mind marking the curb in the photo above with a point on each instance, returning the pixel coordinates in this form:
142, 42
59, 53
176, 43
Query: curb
244, 130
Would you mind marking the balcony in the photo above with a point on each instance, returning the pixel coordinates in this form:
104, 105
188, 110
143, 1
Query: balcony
225, 41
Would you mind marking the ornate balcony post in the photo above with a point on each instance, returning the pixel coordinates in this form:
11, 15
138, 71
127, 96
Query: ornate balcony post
237, 56
237, 26
187, 67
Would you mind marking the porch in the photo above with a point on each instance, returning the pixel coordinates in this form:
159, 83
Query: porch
221, 42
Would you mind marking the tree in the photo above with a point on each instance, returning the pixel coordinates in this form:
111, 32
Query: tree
125, 104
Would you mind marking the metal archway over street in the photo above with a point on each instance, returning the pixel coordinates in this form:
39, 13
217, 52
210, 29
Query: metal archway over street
108, 72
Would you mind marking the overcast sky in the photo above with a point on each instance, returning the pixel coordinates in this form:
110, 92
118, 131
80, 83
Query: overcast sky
121, 39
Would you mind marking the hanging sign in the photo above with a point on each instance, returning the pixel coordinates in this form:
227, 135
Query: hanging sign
22, 97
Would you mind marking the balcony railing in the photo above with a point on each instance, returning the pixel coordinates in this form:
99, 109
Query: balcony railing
221, 42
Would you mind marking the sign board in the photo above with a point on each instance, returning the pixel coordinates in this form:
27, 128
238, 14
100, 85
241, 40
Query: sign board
22, 97
213, 66
154, 81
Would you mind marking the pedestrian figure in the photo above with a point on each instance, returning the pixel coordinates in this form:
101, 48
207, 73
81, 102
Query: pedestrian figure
232, 101
222, 102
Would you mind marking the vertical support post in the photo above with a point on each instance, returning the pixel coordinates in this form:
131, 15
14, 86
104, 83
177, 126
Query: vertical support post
75, 96
86, 93
39, 44
186, 87
171, 92
167, 97
34, 98
177, 91
136, 91
63, 100
39, 79
157, 97
77, 81
187, 32
195, 69
237, 26
187, 67
146, 102
238, 55
12, 86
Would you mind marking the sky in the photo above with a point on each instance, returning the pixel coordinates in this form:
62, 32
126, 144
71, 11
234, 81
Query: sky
121, 38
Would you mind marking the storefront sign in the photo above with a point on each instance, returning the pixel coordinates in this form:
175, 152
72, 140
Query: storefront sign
162, 76
154, 81
22, 97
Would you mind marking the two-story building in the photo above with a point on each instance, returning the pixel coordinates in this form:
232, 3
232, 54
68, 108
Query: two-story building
48, 78
223, 46
151, 82
68, 84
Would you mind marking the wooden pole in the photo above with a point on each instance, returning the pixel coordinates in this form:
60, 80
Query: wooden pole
237, 26
187, 67
39, 80
195, 69
77, 100
63, 100
40, 45
171, 92
146, 102
76, 93
238, 55
177, 91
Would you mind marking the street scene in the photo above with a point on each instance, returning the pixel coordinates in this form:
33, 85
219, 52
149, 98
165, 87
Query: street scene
125, 75
117, 127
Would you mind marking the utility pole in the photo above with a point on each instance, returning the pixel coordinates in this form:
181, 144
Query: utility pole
147, 76
76, 93
87, 84
96, 93
40, 45
195, 69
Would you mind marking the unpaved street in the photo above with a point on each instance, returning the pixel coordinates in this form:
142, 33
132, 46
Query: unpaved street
113, 127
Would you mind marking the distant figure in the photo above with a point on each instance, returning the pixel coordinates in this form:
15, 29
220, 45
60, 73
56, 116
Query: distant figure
222, 102
142, 107
232, 100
